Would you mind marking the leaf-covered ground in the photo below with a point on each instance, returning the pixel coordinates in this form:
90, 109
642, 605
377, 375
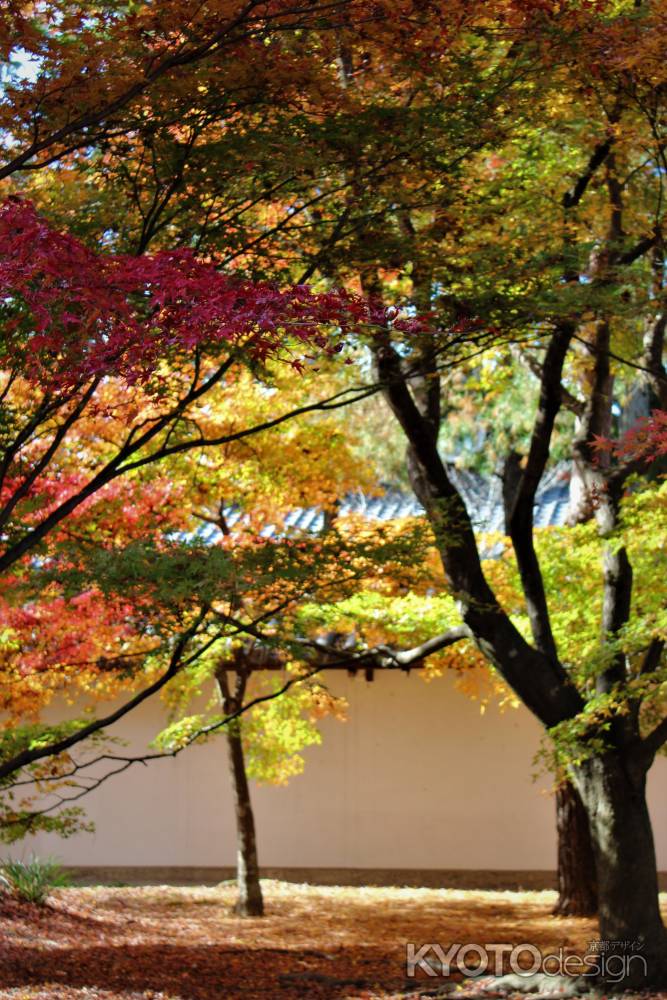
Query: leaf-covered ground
164, 942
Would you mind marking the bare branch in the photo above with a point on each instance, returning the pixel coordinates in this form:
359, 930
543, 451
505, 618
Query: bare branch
520, 519
652, 658
652, 743
638, 250
572, 197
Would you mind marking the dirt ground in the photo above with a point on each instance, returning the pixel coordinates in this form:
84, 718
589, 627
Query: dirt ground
167, 943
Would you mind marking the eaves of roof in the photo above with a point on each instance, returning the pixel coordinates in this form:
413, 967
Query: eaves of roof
482, 496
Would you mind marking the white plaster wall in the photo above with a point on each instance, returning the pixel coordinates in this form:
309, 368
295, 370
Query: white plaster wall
416, 778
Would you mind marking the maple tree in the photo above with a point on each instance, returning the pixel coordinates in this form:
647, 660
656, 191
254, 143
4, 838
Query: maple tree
265, 743
184, 626
550, 237
591, 291
115, 590
111, 365
78, 74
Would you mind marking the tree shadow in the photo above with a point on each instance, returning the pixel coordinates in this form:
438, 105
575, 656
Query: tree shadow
202, 972
42, 916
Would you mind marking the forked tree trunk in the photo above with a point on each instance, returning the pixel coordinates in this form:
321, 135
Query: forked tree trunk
577, 887
613, 790
250, 902
611, 784
577, 882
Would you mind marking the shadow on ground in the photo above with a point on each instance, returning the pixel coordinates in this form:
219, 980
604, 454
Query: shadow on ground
202, 973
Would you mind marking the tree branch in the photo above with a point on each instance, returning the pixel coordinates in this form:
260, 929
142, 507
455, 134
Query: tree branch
572, 197
380, 656
521, 518
638, 250
651, 660
29, 756
227, 36
541, 682
652, 743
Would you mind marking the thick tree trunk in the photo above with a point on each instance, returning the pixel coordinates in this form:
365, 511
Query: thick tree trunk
577, 882
613, 790
250, 902
611, 785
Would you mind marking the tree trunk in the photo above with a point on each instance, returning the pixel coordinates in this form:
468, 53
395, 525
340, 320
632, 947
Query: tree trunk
577, 883
633, 939
250, 902
611, 785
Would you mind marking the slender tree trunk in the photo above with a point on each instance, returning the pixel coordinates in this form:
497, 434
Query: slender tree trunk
613, 790
577, 882
250, 902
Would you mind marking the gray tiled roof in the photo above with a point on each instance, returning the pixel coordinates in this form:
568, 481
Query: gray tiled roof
482, 496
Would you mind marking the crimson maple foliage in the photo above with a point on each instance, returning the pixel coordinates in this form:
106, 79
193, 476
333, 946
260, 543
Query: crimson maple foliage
92, 316
645, 441
139, 341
